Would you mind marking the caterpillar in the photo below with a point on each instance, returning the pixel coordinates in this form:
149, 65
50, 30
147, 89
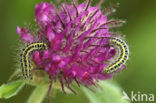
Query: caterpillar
124, 53
26, 65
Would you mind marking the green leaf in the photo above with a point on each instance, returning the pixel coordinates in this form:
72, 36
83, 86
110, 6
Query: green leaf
108, 92
11, 89
38, 94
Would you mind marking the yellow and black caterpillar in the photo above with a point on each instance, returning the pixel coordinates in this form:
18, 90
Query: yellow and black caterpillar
124, 53
26, 65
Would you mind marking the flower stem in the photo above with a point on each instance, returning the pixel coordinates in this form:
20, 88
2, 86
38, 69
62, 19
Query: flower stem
38, 94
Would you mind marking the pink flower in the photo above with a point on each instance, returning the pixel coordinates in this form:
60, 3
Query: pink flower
73, 54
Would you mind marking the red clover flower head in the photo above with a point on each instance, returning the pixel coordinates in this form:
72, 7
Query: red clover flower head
77, 39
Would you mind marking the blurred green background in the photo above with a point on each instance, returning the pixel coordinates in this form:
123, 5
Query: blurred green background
140, 32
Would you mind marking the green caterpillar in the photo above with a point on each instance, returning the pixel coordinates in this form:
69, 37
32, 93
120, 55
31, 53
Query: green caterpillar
124, 53
25, 61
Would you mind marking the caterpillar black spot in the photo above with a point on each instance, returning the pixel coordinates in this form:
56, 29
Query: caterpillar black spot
26, 64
